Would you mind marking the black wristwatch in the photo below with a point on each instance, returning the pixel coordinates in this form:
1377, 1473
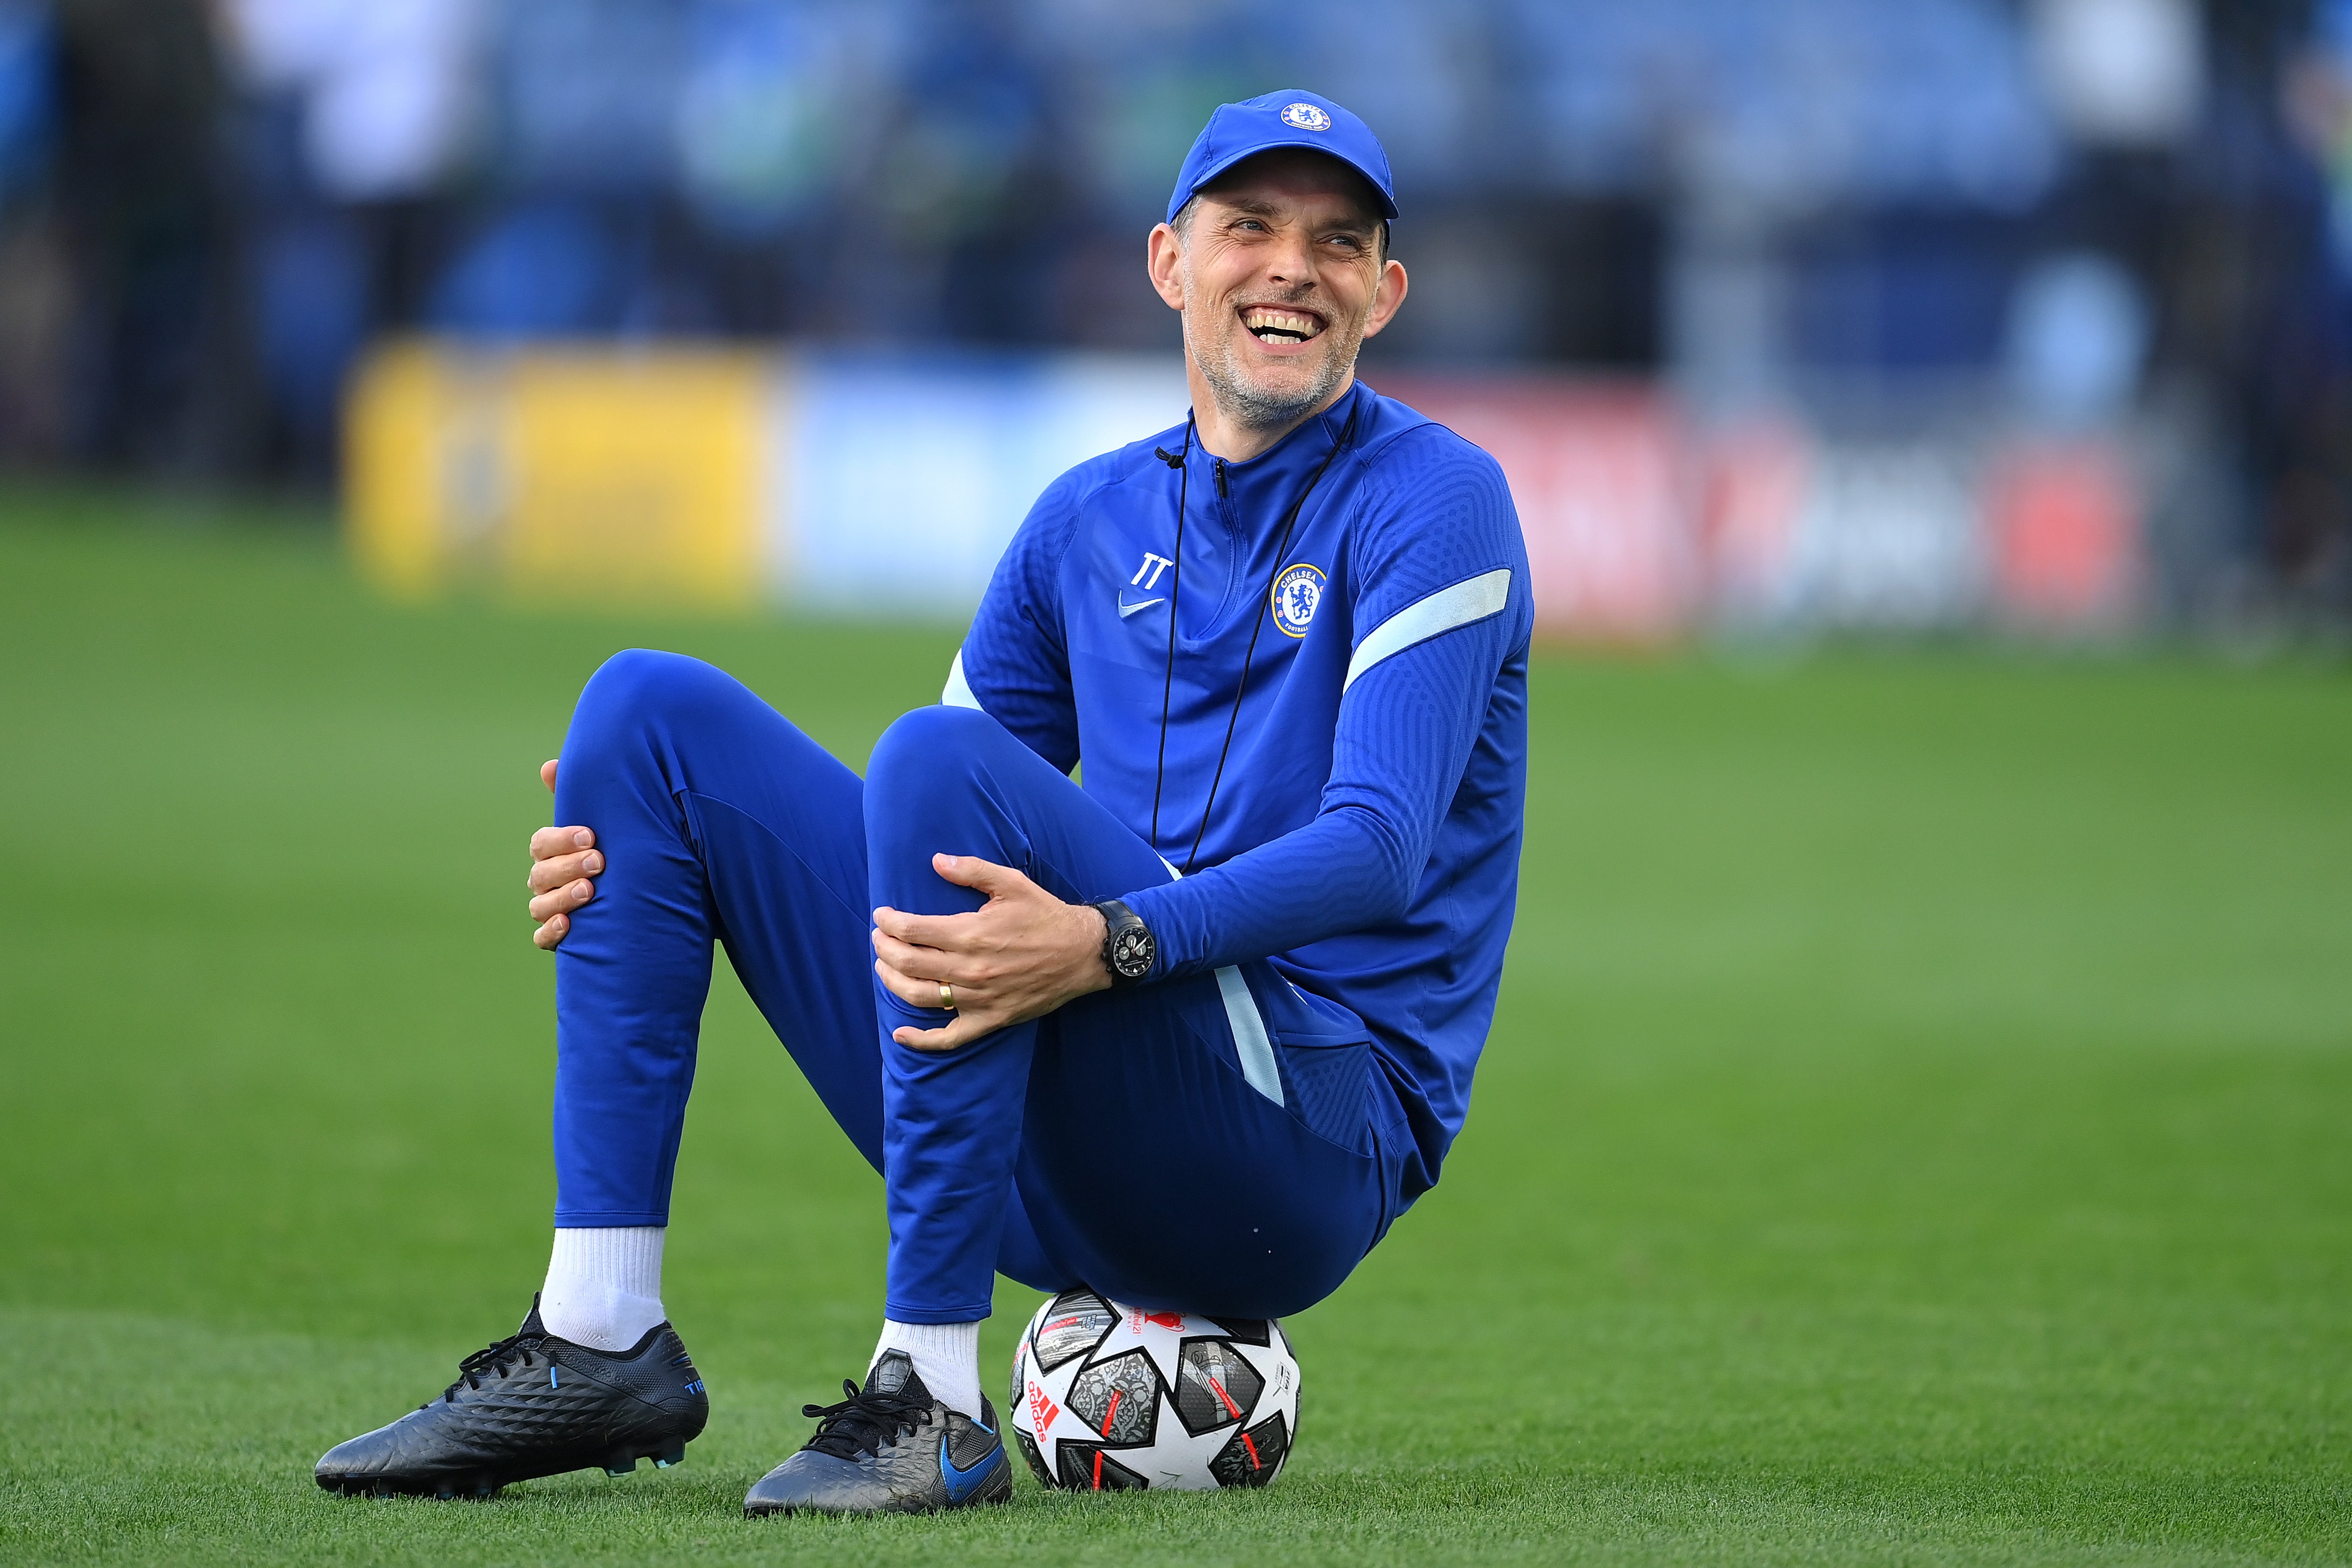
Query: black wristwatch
1128, 948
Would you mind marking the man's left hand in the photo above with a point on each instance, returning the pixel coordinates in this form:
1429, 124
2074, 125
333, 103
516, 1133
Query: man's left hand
1018, 956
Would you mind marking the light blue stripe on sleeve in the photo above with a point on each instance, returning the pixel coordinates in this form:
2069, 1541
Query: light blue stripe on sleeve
959, 692
1472, 600
1250, 1041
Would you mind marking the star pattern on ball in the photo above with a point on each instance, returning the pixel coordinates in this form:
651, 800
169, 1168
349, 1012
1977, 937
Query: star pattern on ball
1110, 1397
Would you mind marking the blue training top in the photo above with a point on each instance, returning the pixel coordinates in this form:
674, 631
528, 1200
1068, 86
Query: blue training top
1365, 831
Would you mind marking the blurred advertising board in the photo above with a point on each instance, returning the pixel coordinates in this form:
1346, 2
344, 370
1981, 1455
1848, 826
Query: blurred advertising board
1642, 526
870, 482
887, 482
903, 476
1596, 471
561, 473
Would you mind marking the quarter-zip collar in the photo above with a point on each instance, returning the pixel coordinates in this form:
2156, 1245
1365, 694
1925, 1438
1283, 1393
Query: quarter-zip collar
1255, 497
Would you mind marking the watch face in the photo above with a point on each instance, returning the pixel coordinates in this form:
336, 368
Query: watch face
1130, 952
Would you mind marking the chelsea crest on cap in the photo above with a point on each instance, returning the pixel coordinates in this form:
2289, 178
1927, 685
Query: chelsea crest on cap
1287, 118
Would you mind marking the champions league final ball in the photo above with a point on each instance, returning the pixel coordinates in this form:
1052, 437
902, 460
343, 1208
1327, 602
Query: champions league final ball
1113, 1398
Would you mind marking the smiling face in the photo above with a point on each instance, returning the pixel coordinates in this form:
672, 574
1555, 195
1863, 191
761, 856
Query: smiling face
1278, 271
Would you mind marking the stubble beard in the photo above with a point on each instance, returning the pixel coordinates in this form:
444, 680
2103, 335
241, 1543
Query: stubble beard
1257, 408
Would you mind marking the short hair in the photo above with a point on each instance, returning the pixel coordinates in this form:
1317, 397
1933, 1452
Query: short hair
1182, 222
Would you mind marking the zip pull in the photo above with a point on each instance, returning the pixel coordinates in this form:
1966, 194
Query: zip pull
1221, 478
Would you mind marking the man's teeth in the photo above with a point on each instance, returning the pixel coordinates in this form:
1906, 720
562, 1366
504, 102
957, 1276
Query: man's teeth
1286, 324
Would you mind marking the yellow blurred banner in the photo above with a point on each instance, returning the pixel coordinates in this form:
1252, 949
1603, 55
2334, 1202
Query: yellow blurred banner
572, 473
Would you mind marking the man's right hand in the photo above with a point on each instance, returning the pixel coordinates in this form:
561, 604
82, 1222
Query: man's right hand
564, 863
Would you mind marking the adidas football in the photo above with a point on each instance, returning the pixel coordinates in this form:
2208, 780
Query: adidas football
1113, 1398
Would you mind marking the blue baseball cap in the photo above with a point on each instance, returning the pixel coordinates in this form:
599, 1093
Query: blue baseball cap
1284, 119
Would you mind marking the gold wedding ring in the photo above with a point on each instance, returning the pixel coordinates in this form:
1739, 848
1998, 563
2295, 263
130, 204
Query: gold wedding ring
947, 997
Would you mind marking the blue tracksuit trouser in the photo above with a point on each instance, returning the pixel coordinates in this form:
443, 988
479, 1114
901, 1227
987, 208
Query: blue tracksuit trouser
1219, 1143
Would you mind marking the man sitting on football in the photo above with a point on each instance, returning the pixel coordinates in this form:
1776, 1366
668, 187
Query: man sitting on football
1257, 950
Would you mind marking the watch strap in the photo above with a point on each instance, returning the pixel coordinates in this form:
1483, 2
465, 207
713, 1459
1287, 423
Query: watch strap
1121, 928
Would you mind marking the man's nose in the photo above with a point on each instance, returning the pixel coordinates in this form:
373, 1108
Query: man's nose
1293, 260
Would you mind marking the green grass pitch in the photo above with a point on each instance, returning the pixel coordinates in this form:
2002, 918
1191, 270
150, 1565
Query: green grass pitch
1918, 1127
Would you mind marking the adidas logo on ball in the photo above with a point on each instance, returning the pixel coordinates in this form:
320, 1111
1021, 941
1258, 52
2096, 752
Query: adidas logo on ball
1114, 1398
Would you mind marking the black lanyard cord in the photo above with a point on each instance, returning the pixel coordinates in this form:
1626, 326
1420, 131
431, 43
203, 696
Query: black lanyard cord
1182, 463
1347, 432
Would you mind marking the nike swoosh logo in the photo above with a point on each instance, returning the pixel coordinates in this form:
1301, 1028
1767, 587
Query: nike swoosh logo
961, 1483
1125, 609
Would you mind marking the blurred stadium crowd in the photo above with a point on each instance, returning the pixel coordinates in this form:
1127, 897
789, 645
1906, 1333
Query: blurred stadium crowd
2123, 215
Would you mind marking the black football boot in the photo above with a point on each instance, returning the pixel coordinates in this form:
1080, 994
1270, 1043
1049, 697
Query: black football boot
889, 1447
528, 1407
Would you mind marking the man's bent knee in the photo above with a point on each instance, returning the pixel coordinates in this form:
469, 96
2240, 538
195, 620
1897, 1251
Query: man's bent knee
930, 746
926, 794
639, 689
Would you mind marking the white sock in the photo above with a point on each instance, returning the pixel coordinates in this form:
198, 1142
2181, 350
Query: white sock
604, 1286
946, 1357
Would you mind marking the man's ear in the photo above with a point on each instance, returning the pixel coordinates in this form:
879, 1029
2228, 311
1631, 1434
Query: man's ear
1386, 297
1163, 256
